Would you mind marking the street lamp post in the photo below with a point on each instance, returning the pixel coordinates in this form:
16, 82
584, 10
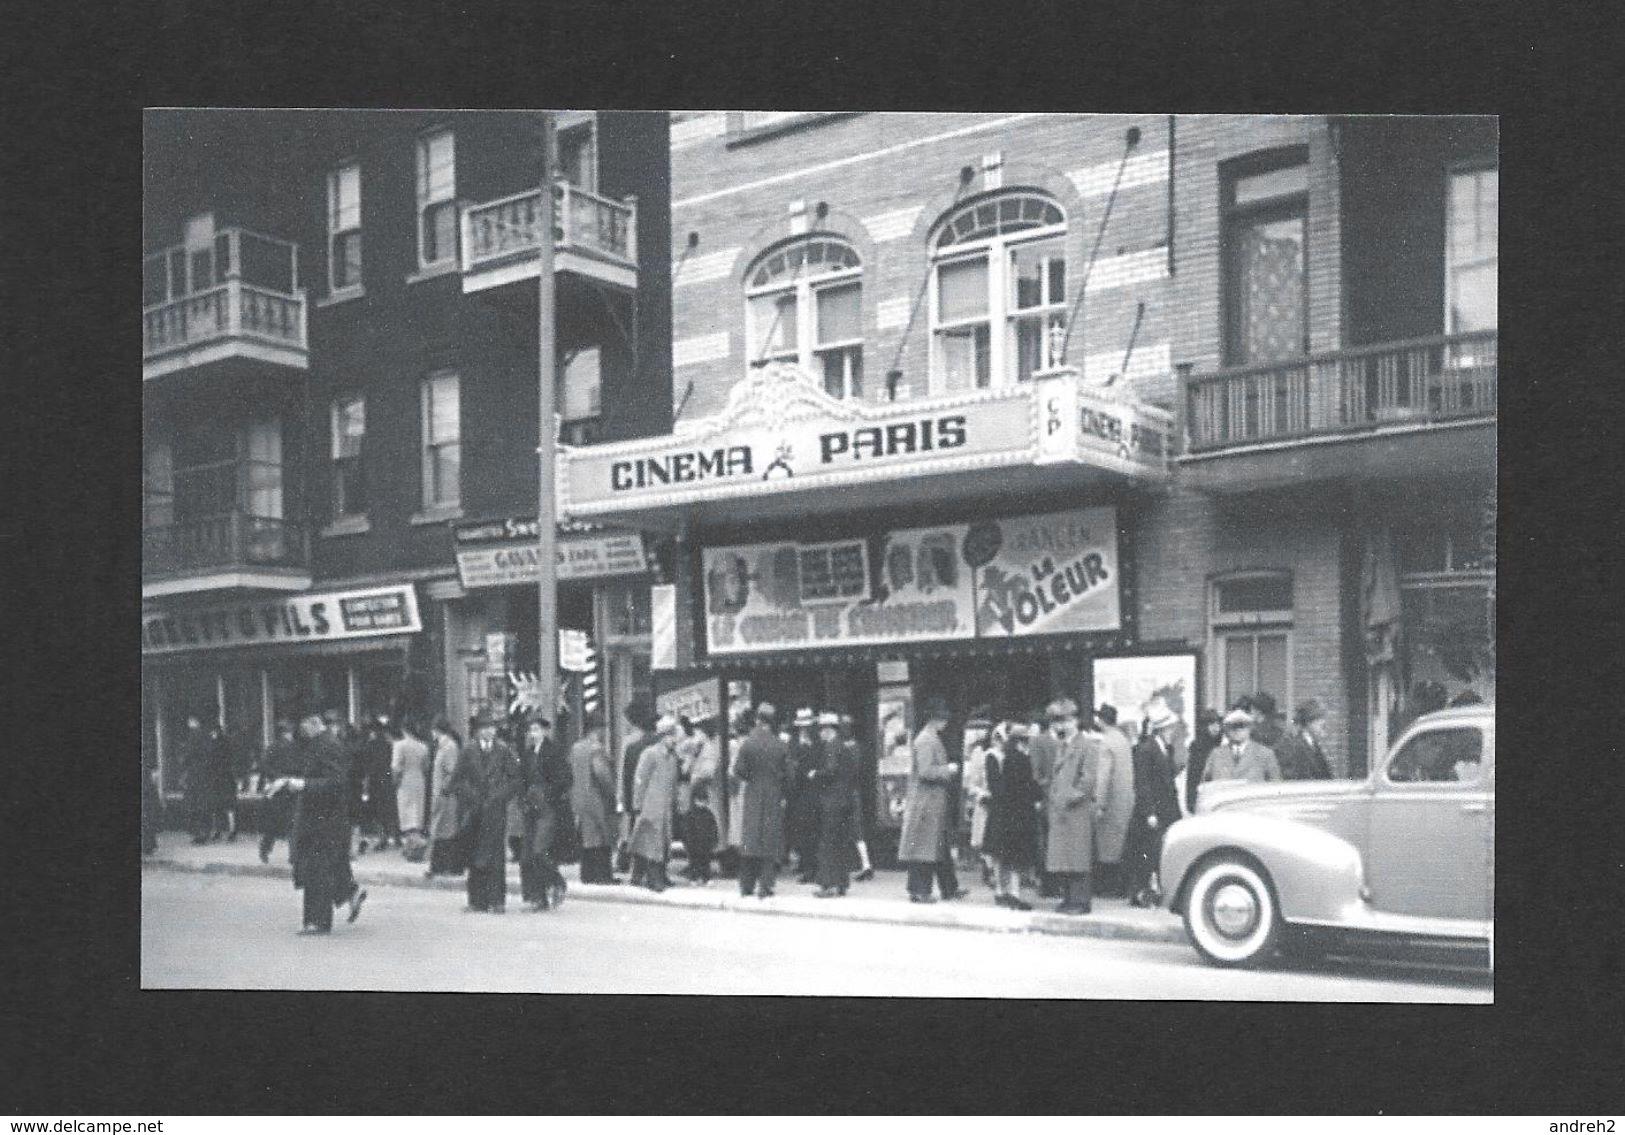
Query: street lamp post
546, 442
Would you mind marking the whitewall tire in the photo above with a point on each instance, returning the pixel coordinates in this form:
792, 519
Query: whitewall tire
1230, 913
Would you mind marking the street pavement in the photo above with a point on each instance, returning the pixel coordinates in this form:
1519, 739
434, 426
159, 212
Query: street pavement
222, 930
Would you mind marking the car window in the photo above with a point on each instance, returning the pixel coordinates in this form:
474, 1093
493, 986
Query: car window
1450, 756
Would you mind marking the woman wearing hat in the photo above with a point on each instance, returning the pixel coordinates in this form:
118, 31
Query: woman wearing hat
801, 804
1011, 838
923, 843
834, 781
1156, 803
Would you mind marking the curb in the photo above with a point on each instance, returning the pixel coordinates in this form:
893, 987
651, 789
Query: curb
794, 906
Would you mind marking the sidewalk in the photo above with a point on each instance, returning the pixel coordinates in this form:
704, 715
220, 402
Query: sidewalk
880, 900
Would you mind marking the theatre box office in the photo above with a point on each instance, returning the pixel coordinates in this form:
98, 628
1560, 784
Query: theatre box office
250, 662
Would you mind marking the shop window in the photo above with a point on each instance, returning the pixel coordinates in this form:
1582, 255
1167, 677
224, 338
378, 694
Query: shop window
1252, 636
437, 198
349, 428
344, 229
442, 442
998, 290
804, 304
1265, 240
1471, 251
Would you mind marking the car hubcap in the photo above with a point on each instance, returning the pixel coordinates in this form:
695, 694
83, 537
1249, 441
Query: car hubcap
1235, 910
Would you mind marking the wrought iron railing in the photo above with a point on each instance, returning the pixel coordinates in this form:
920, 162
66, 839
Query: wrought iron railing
232, 539
583, 221
1422, 380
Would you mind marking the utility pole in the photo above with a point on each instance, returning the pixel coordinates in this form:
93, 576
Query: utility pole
547, 670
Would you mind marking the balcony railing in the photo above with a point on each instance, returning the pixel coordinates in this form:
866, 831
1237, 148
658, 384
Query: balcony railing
1342, 392
244, 287
585, 222
231, 540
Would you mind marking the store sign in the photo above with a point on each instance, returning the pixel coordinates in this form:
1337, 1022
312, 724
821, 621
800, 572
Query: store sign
1050, 574
579, 557
320, 617
695, 702
902, 586
780, 432
1016, 576
1101, 426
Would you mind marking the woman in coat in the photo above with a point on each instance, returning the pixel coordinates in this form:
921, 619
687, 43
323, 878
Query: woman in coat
592, 792
654, 798
834, 784
445, 848
1072, 810
923, 843
409, 765
1116, 795
1209, 727
1012, 835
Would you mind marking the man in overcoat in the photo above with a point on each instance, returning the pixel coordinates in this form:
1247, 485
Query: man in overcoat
654, 799
834, 784
1238, 756
923, 843
1156, 803
592, 792
545, 807
1300, 753
1042, 752
762, 767
487, 779
320, 846
1072, 808
801, 802
640, 732
1116, 795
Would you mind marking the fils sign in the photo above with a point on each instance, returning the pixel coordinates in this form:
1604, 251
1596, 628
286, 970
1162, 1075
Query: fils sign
321, 617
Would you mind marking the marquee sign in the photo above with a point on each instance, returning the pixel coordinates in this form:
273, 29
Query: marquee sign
497, 553
1008, 577
319, 617
781, 433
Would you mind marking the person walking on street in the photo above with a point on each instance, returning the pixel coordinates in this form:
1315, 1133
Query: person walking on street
834, 782
702, 819
281, 759
1240, 757
409, 767
1301, 754
378, 784
762, 766
1013, 804
1209, 731
923, 843
446, 855
223, 783
1156, 804
640, 717
1073, 809
546, 807
487, 780
1116, 795
592, 792
320, 847
654, 798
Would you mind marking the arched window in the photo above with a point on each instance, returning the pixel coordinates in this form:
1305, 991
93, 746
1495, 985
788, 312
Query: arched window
998, 288
804, 304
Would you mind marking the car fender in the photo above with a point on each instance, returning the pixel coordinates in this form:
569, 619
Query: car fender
1317, 876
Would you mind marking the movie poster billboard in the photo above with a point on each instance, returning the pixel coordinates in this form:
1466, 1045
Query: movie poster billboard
891, 587
1054, 573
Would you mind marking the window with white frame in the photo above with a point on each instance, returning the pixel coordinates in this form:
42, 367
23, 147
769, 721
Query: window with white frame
1252, 636
442, 442
578, 156
262, 469
344, 228
804, 304
581, 385
437, 198
998, 289
1471, 251
349, 429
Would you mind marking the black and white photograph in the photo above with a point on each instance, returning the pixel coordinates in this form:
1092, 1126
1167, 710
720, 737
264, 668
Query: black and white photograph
881, 554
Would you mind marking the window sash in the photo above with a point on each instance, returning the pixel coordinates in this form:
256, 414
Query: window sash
344, 198
349, 421
1472, 253
442, 449
581, 386
437, 167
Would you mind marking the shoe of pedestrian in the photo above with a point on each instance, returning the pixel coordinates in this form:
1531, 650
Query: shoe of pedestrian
865, 875
473, 910
1003, 900
922, 898
826, 893
199, 840
556, 895
764, 894
356, 900
308, 931
956, 896
1019, 904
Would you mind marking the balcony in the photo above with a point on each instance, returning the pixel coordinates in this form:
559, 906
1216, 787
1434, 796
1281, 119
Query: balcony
230, 551
239, 298
594, 237
1352, 413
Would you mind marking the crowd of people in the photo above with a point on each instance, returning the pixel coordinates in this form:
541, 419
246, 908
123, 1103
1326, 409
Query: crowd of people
1060, 803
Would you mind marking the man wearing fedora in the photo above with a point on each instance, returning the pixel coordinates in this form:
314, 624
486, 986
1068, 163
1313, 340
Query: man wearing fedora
320, 846
654, 799
762, 766
1072, 808
923, 843
801, 804
1156, 802
487, 779
1238, 756
1301, 753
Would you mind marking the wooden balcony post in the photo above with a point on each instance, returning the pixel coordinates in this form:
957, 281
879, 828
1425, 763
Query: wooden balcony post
632, 227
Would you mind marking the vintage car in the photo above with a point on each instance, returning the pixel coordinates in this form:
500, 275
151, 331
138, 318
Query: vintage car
1408, 854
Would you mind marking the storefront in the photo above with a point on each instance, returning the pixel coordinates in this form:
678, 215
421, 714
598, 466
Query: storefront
867, 557
491, 624
252, 661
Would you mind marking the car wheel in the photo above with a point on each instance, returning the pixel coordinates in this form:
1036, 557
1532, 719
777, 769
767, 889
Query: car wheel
1231, 914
